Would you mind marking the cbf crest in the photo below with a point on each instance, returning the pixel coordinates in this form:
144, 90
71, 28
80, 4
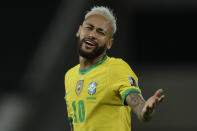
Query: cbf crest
79, 86
92, 88
132, 82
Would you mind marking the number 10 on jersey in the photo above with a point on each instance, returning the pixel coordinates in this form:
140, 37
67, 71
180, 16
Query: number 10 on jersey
80, 112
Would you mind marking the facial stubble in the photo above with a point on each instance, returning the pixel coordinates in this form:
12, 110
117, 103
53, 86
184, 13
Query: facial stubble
93, 54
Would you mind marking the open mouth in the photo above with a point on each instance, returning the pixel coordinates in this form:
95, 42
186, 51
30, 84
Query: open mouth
89, 43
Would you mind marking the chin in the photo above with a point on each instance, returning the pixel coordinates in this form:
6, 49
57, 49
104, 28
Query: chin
85, 54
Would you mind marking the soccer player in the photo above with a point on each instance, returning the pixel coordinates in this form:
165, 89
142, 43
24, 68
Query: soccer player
101, 90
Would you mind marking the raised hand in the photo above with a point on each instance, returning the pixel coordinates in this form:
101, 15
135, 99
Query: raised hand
152, 103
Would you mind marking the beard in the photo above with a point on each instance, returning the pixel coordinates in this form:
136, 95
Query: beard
94, 53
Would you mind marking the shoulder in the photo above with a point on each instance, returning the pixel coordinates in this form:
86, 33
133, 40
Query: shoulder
118, 63
120, 68
72, 71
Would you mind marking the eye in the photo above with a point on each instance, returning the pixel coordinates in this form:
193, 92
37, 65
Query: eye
89, 27
101, 33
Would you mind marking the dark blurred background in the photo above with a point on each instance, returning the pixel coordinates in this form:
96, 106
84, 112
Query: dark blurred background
38, 45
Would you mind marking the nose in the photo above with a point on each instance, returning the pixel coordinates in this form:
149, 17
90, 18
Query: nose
92, 34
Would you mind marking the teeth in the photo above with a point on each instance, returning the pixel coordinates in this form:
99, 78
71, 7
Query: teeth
90, 43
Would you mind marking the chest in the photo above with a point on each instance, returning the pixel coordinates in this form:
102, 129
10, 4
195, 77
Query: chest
91, 87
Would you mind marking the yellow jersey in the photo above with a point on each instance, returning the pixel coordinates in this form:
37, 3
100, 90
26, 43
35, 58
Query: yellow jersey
95, 97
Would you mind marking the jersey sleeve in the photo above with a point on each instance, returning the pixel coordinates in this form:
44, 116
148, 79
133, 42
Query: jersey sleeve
123, 79
66, 97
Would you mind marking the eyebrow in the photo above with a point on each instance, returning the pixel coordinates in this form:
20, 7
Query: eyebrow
90, 25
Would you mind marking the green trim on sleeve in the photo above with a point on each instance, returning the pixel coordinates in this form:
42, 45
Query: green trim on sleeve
82, 72
125, 93
70, 119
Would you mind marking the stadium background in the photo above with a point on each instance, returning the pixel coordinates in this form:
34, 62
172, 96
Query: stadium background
38, 45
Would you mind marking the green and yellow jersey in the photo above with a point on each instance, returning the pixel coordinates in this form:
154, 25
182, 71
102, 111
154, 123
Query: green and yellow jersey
95, 97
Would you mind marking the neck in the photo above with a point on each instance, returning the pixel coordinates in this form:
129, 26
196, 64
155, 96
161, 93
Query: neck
86, 63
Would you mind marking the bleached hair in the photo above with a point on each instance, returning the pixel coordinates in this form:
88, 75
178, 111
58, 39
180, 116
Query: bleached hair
106, 12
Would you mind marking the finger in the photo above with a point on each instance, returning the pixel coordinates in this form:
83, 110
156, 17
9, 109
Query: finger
154, 105
149, 109
161, 98
158, 92
155, 102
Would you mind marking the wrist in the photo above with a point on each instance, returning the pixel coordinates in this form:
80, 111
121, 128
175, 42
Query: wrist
147, 116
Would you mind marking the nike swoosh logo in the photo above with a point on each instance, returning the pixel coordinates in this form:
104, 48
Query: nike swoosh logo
68, 92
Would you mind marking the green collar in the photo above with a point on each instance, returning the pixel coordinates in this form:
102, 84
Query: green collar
82, 72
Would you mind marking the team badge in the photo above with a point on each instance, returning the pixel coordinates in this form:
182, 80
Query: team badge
79, 86
92, 88
132, 81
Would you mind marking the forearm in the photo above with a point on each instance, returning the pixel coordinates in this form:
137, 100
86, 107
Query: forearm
144, 109
137, 103
137, 109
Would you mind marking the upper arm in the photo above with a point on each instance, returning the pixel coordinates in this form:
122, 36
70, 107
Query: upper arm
123, 80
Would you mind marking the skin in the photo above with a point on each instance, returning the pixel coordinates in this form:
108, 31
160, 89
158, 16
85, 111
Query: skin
71, 126
99, 29
144, 109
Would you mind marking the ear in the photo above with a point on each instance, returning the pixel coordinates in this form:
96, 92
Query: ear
110, 43
78, 32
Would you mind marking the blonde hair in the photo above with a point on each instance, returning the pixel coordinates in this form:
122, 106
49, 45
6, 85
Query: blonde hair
106, 12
